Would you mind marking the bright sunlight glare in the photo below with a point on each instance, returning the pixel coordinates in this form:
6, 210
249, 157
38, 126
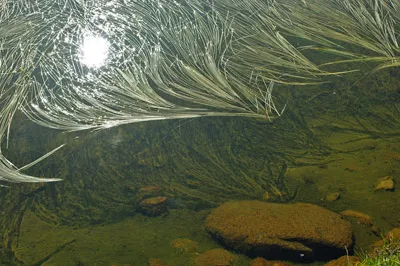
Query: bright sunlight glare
94, 51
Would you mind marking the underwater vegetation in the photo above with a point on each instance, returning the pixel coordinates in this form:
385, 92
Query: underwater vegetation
271, 68
90, 65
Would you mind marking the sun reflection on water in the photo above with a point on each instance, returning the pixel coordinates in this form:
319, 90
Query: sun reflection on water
94, 51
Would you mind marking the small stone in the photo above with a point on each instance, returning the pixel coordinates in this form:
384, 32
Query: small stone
344, 261
215, 257
154, 206
148, 192
333, 196
393, 234
385, 183
264, 262
156, 262
185, 245
362, 218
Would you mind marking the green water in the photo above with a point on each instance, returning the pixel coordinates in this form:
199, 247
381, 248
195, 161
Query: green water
340, 135
91, 216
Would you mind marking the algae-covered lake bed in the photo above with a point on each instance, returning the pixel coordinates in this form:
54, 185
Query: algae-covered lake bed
199, 132
353, 170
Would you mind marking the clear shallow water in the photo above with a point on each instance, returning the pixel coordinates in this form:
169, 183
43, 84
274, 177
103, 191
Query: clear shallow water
99, 190
336, 137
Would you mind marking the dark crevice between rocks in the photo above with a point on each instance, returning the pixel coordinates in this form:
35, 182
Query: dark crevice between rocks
318, 252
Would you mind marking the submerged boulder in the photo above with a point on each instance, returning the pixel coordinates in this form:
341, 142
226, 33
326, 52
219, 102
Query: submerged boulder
216, 257
298, 231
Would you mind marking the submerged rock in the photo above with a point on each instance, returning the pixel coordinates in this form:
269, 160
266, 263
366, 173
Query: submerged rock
215, 257
151, 201
148, 192
360, 217
333, 196
280, 231
344, 261
264, 262
185, 245
156, 262
154, 206
385, 183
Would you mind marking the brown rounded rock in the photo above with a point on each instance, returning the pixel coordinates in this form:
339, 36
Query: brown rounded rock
333, 196
148, 192
362, 218
393, 234
215, 257
154, 206
344, 261
385, 183
298, 231
156, 262
185, 245
264, 262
